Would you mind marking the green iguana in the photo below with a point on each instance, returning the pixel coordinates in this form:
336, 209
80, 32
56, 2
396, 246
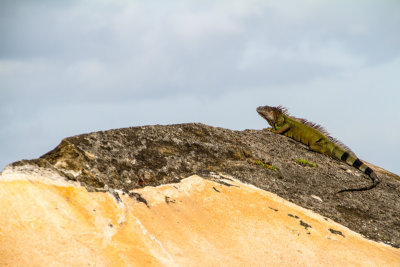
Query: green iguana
316, 137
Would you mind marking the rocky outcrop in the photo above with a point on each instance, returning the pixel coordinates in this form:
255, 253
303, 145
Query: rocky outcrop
118, 197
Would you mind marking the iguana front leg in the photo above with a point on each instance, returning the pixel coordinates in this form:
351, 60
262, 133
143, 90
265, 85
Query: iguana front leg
282, 129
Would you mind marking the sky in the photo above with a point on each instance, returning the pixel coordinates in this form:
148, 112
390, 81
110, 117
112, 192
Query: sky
73, 67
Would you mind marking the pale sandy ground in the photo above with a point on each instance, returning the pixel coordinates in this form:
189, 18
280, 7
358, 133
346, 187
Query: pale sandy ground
48, 222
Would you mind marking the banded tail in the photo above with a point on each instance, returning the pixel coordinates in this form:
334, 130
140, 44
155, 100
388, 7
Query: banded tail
352, 160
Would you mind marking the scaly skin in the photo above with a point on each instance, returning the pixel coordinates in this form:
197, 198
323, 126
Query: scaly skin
315, 137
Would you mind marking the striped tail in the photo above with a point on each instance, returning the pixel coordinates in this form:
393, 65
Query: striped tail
352, 160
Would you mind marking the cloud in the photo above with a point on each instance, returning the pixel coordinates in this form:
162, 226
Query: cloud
97, 62
143, 49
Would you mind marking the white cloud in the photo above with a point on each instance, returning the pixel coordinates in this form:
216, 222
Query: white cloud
99, 63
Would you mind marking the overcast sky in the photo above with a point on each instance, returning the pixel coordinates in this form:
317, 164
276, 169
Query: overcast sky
72, 67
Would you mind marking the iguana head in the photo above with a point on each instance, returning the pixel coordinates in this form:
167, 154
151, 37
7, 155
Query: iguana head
272, 114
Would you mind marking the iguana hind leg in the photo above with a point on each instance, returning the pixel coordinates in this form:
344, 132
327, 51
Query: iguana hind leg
321, 147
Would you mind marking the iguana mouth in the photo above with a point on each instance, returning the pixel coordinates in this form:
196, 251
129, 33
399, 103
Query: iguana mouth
261, 111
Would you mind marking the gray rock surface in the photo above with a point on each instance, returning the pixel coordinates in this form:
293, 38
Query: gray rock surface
135, 157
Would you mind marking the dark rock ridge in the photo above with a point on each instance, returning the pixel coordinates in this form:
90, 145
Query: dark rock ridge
135, 157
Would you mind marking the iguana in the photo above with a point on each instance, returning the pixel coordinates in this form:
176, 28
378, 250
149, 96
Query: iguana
316, 137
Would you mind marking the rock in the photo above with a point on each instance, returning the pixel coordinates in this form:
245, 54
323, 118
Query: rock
47, 221
120, 163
